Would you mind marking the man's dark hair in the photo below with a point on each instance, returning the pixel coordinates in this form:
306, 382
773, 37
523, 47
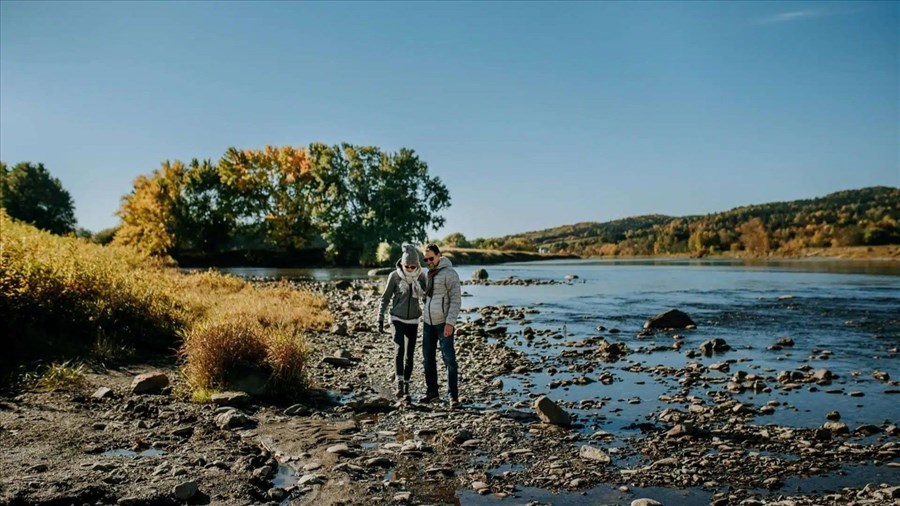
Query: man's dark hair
433, 248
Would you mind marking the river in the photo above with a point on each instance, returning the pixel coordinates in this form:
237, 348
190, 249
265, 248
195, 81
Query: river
841, 315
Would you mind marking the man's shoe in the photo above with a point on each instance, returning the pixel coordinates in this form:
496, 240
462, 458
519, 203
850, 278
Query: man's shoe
429, 398
455, 404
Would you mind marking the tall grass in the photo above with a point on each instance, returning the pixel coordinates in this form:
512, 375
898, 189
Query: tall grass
63, 297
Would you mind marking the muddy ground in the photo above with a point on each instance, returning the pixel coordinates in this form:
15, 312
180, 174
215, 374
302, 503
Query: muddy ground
351, 442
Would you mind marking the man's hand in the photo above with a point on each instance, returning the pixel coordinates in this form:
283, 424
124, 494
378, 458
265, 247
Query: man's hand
448, 330
381, 325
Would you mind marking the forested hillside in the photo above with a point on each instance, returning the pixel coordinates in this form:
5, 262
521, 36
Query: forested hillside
864, 217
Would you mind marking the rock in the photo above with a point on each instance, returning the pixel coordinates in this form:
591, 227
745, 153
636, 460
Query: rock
611, 351
446, 471
773, 483
785, 341
233, 419
373, 404
277, 493
186, 490
339, 329
462, 436
343, 284
714, 345
379, 462
549, 412
149, 383
594, 454
235, 399
183, 432
881, 376
297, 410
671, 319
497, 384
837, 427
480, 274
645, 502
339, 449
337, 361
679, 431
666, 462
402, 497
479, 486
868, 429
102, 393
309, 479
822, 376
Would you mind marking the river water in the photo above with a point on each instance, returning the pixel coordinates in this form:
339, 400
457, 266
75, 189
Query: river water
841, 315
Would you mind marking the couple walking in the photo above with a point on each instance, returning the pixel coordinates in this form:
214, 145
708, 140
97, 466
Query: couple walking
407, 288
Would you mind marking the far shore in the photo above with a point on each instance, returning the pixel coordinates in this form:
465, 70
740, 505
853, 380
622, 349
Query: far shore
470, 256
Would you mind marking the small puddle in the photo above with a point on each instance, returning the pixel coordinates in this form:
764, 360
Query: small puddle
286, 477
122, 452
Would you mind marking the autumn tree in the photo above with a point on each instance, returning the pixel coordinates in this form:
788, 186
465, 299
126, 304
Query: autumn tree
271, 189
29, 193
150, 211
754, 236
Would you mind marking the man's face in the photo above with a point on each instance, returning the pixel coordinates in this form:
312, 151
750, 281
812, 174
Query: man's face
432, 258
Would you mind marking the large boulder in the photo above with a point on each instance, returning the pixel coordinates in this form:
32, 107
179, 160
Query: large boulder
149, 383
549, 412
671, 319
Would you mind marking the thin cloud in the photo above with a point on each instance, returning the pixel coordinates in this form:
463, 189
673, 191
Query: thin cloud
787, 17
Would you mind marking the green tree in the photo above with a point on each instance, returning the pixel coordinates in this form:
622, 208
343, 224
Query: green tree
363, 197
29, 193
204, 214
456, 240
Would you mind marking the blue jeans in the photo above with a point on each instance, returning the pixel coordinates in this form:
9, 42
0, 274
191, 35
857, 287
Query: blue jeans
431, 336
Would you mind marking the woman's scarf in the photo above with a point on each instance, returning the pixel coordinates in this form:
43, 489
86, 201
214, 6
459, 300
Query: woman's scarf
410, 280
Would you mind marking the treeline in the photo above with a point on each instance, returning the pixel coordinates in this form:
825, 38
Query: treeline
864, 217
344, 201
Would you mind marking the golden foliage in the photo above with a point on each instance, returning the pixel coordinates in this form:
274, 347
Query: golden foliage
69, 297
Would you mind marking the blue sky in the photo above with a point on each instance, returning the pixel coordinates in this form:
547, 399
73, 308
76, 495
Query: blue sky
534, 114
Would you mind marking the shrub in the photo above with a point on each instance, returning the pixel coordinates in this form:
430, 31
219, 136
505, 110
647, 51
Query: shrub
67, 298
60, 295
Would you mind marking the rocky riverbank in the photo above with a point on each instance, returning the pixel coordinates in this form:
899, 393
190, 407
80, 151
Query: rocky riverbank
350, 442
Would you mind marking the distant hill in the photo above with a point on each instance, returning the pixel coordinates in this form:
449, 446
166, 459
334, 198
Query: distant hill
863, 217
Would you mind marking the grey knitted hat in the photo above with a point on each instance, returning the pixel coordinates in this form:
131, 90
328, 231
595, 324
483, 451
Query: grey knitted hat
410, 255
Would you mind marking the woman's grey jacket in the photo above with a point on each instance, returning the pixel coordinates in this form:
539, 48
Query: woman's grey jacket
403, 302
445, 300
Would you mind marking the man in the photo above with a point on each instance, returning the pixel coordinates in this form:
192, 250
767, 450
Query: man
442, 303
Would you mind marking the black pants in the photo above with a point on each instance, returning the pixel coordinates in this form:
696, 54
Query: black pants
404, 346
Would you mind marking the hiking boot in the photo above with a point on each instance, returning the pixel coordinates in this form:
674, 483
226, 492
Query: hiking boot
429, 398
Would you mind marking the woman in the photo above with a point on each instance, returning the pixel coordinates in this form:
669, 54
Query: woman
404, 291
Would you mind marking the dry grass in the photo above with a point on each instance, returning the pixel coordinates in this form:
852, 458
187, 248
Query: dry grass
64, 297
60, 376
